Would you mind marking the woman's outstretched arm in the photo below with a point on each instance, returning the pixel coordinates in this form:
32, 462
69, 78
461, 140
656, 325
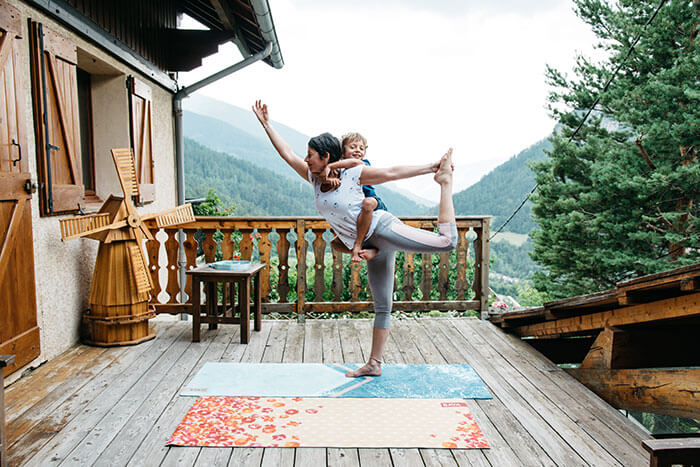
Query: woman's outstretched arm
284, 150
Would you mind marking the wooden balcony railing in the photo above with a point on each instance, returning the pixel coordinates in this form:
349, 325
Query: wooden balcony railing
313, 279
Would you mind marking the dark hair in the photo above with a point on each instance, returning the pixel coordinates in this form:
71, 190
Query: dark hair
326, 143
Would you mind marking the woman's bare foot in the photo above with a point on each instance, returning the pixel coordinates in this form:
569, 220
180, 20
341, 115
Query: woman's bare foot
368, 253
444, 172
372, 368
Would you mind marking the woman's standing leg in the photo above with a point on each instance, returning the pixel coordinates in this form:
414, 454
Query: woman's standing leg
381, 268
380, 272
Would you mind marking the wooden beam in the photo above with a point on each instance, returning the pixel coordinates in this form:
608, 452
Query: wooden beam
337, 307
343, 307
670, 275
226, 15
674, 451
186, 48
690, 285
685, 306
564, 350
672, 391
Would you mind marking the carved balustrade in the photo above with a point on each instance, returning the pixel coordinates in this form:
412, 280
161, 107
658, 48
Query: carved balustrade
306, 278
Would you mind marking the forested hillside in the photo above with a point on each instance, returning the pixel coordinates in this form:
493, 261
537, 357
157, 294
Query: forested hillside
254, 190
220, 136
503, 189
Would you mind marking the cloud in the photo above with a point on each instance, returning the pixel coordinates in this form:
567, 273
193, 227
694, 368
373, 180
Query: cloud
414, 77
448, 8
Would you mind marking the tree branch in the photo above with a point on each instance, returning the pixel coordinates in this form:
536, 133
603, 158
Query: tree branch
668, 223
646, 157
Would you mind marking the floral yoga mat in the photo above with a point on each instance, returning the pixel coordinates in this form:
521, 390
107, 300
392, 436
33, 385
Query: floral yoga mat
324, 422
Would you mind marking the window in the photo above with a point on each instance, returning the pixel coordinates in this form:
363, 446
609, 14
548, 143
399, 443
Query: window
73, 143
85, 121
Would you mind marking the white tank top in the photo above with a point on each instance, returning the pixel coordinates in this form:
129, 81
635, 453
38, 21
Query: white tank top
340, 207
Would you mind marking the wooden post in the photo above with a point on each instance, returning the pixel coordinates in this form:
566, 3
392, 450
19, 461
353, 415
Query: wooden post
301, 269
481, 272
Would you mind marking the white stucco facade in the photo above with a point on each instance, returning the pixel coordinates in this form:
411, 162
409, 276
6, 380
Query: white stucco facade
63, 271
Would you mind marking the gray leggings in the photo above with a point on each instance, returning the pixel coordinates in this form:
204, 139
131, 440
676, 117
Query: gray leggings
392, 235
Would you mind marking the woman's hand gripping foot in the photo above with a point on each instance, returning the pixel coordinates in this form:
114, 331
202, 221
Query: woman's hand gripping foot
444, 171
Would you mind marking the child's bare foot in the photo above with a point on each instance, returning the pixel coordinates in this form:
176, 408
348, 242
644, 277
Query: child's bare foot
372, 368
444, 172
356, 257
368, 253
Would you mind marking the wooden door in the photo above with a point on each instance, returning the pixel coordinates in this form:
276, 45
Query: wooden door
19, 333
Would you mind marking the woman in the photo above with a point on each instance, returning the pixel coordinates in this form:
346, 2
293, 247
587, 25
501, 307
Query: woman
387, 235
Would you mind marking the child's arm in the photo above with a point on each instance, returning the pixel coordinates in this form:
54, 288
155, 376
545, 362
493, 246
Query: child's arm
345, 164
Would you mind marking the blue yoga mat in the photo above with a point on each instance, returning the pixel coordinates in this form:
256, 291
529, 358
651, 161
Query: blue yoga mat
328, 380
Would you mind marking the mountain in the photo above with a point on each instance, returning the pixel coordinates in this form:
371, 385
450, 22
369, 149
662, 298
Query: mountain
223, 137
502, 190
254, 190
237, 133
423, 202
243, 120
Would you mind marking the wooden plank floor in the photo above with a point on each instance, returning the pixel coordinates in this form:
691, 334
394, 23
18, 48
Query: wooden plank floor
118, 406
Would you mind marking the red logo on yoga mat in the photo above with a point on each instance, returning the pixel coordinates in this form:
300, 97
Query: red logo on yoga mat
453, 404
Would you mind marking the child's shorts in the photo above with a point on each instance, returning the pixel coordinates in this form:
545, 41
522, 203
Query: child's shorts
380, 204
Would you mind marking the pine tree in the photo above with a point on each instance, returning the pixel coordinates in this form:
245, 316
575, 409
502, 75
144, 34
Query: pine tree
620, 198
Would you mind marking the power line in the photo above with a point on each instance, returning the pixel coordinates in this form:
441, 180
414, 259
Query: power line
590, 110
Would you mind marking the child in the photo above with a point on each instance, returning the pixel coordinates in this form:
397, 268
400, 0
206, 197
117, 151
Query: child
354, 146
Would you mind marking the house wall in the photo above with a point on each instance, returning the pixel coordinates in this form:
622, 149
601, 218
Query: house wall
64, 270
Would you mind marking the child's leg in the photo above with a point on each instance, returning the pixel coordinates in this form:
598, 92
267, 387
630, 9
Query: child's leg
337, 245
364, 220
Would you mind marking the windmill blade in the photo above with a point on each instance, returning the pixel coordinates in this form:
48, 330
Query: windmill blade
141, 276
179, 215
87, 225
126, 171
139, 264
146, 231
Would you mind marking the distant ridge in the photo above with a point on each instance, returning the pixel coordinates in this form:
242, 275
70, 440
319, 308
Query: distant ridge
221, 136
501, 191
235, 139
243, 120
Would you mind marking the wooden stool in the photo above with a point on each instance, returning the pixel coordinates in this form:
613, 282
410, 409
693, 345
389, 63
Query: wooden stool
5, 360
231, 281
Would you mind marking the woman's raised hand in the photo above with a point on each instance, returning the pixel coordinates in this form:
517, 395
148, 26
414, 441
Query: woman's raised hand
260, 111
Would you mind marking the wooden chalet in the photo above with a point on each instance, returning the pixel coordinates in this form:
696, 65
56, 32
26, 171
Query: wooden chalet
82, 77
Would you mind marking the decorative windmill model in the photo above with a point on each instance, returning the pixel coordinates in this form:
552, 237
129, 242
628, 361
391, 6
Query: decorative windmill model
121, 283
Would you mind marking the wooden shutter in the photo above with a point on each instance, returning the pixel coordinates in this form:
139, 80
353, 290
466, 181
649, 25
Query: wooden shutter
55, 90
19, 333
140, 111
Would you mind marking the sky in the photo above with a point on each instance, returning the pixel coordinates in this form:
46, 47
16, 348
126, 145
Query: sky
414, 76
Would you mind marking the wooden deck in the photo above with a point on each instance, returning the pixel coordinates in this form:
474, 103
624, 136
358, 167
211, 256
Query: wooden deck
118, 406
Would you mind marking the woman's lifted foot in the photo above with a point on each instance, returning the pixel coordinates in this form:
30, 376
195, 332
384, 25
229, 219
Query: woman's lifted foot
444, 172
372, 368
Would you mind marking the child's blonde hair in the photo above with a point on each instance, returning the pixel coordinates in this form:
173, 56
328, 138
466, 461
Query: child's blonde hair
350, 137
